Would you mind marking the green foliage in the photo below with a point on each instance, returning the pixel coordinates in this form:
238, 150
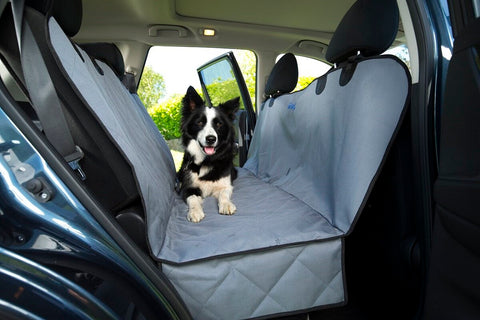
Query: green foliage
167, 116
248, 65
303, 82
221, 91
151, 88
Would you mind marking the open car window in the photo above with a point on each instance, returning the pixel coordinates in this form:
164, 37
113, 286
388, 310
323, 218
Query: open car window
167, 74
222, 80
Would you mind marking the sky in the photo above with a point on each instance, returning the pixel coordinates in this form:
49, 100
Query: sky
178, 66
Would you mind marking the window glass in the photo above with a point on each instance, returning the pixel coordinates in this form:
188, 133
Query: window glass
308, 70
399, 47
167, 74
401, 52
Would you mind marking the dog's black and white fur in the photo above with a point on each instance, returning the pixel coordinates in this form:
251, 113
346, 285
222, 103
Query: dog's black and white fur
207, 169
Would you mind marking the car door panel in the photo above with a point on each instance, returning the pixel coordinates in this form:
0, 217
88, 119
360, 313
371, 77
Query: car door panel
222, 79
454, 277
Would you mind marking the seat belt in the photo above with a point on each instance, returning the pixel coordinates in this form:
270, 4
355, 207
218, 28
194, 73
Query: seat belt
42, 92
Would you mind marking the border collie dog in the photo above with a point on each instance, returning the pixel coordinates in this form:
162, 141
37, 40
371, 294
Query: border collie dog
207, 168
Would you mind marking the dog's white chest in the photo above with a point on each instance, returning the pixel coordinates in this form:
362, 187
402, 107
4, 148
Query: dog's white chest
210, 188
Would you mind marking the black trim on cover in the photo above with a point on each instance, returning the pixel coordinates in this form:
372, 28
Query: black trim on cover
321, 84
392, 139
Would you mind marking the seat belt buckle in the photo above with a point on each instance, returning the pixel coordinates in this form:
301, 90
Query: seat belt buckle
73, 161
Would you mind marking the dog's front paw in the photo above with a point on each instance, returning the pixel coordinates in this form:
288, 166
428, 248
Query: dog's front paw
195, 215
226, 207
195, 210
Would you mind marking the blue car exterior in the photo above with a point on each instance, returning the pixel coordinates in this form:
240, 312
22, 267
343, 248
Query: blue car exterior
48, 223
32, 291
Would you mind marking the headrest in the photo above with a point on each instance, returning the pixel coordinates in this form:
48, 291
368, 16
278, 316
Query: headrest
8, 39
68, 13
108, 53
369, 26
284, 76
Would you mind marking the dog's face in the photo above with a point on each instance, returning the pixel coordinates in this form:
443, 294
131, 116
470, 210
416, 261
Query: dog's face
207, 131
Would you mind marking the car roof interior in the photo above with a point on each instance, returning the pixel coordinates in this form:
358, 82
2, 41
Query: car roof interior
136, 25
133, 20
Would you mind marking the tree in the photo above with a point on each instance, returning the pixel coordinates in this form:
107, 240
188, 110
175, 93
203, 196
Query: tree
221, 91
248, 65
151, 88
167, 115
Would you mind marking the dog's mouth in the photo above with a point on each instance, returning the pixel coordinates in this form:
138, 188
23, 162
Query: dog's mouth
209, 150
209, 145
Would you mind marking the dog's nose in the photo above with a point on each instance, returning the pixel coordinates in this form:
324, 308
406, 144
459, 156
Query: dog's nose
211, 139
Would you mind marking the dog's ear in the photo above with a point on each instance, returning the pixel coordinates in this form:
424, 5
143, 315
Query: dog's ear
191, 100
230, 107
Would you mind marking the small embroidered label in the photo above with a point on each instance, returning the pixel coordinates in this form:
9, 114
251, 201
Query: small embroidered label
291, 106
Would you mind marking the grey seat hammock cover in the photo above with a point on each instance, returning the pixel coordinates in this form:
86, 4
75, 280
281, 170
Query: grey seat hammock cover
312, 162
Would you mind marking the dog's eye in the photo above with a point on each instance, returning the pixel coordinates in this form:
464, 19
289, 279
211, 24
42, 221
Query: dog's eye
200, 123
219, 124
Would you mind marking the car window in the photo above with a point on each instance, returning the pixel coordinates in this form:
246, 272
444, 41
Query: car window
167, 74
401, 52
308, 70
177, 67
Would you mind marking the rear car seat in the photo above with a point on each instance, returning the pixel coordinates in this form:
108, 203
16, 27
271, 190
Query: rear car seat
321, 150
130, 219
108, 175
111, 55
313, 160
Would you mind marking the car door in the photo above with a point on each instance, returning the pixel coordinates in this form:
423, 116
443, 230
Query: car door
454, 271
221, 80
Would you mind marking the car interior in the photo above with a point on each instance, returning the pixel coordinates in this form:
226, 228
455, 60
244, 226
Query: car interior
331, 220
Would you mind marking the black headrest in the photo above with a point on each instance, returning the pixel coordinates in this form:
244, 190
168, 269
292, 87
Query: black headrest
68, 13
108, 53
284, 76
8, 39
369, 26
